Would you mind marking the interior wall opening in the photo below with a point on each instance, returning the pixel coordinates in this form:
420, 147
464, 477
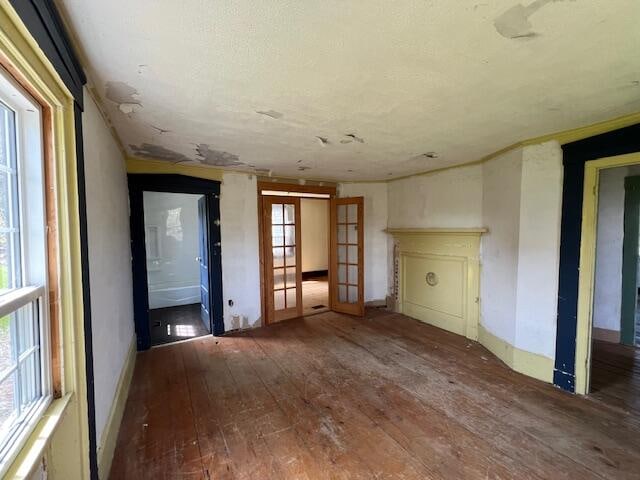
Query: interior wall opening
314, 218
615, 335
176, 266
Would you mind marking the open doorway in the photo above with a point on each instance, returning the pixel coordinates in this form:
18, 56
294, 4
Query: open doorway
615, 335
176, 258
314, 223
311, 250
176, 268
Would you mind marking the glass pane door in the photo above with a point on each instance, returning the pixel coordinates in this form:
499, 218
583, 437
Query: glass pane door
347, 255
282, 244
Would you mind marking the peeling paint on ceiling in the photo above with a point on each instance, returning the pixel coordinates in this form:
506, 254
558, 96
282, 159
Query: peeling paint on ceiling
514, 23
217, 158
356, 86
147, 150
270, 113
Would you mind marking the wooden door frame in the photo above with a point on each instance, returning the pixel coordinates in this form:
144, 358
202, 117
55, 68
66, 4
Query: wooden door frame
281, 187
171, 183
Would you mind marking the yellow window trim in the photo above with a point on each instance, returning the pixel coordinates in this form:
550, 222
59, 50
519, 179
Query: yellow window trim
69, 456
36, 445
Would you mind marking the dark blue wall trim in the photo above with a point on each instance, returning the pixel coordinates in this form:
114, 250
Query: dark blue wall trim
618, 142
139, 183
45, 25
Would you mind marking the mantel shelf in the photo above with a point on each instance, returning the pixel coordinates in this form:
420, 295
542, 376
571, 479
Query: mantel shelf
458, 231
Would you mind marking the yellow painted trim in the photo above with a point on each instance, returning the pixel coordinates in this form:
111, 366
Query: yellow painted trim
527, 363
139, 165
68, 452
34, 450
588, 262
563, 137
580, 133
443, 231
107, 444
459, 247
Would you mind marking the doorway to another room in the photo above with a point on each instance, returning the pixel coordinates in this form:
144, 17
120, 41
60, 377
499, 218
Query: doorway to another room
176, 268
314, 218
312, 251
176, 257
615, 334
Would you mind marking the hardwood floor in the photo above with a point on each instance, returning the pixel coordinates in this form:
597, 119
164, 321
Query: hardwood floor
615, 376
336, 397
315, 292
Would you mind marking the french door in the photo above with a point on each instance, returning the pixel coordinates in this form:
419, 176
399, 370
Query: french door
346, 284
283, 274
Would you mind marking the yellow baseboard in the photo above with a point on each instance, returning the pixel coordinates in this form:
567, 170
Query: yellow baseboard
107, 445
527, 363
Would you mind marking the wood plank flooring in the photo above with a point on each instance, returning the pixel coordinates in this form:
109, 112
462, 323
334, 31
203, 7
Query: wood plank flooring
315, 292
615, 375
337, 397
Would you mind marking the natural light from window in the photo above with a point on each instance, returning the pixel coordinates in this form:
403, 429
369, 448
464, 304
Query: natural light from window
25, 373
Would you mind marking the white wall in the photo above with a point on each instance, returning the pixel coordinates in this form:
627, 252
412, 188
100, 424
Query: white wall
517, 196
610, 234
499, 247
174, 277
109, 258
240, 258
314, 215
375, 239
539, 248
452, 198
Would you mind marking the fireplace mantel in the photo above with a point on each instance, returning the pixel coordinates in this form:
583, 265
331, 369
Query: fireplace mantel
437, 276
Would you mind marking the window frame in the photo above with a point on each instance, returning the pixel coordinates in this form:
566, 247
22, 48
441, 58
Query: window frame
33, 288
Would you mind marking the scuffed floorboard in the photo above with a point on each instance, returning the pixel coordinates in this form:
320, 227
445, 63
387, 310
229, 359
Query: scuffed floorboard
337, 397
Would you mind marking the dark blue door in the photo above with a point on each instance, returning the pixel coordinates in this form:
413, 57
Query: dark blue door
203, 258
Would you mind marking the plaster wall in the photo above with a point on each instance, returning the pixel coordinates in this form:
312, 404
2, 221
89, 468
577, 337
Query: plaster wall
240, 257
109, 259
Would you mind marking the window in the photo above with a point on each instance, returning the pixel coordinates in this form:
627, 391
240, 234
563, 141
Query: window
25, 366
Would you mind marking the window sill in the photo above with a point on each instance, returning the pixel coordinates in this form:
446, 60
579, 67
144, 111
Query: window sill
35, 447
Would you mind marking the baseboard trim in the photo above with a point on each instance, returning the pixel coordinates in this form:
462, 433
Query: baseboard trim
380, 303
606, 335
107, 445
527, 363
315, 273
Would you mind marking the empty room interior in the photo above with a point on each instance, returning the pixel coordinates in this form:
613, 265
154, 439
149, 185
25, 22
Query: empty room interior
319, 240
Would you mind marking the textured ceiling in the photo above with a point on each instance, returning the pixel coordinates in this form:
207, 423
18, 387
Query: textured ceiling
353, 90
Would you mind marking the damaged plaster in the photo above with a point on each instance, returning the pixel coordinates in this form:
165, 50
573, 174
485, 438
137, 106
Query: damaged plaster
352, 137
217, 158
125, 96
514, 23
151, 151
270, 113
